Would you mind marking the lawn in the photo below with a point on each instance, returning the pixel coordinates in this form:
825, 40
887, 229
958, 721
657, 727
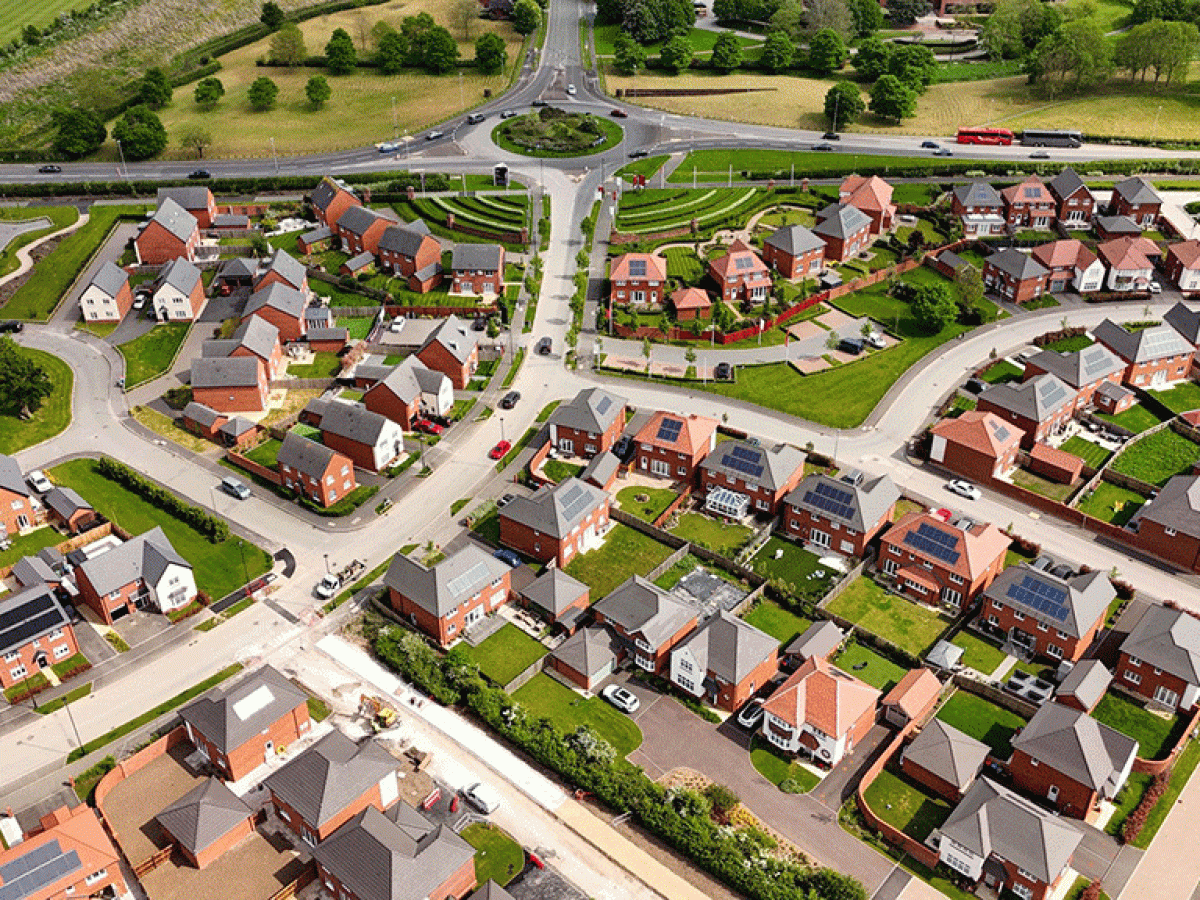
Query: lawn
795, 567
506, 654
1158, 458
358, 326
60, 217
150, 355
1091, 453
1070, 344
1002, 372
725, 538
1156, 735
782, 624
777, 768
1185, 765
907, 625
1136, 419
657, 500
1111, 503
904, 805
546, 698
625, 552
17, 433
219, 568
16, 15
1184, 397
866, 665
648, 166
324, 365
1044, 486
982, 720
978, 654
557, 470
29, 544
266, 453
498, 857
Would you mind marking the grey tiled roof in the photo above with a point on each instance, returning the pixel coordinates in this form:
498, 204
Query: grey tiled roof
794, 240
1184, 320
230, 220
361, 261
304, 455
1066, 183
455, 336
357, 219
110, 278
589, 651
405, 239
223, 372
641, 607
820, 639
11, 479
978, 193
440, 589
287, 267
65, 501
1019, 265
30, 571
258, 336
554, 511
181, 275
175, 219
1168, 639
841, 220
1080, 367
1074, 744
601, 468
236, 427
320, 233
354, 422
204, 815
491, 891
226, 718
201, 414
728, 648
324, 779
143, 557
868, 500
1136, 191
554, 590
407, 380
278, 296
774, 467
327, 334
1084, 598
485, 257
1118, 225
29, 614
219, 348
946, 752
187, 197
1146, 345
1087, 681
318, 317
1035, 400
326, 190
593, 409
238, 268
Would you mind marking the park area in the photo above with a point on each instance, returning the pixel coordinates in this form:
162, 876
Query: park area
905, 624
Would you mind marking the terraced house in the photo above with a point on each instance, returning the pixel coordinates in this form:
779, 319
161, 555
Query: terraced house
445, 600
942, 560
762, 476
842, 514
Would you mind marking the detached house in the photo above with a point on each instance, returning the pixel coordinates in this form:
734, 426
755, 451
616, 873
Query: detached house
372, 441
672, 446
206, 822
1134, 197
230, 384
638, 279
445, 600
794, 252
16, 499
743, 277
283, 307
198, 201
69, 855
844, 229
283, 269
178, 292
108, 298
255, 338
1015, 276
648, 621
1083, 370
408, 389
35, 633
1186, 321
1160, 659
1075, 202
977, 445
145, 571
589, 424
359, 229
1154, 357
408, 251
452, 349
1129, 268
935, 560
842, 514
1072, 266
1183, 265
871, 196
477, 269
171, 233
1039, 407
557, 523
980, 208
318, 472
762, 476
1029, 204
724, 662
330, 199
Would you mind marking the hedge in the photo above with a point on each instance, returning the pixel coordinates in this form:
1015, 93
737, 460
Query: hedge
214, 530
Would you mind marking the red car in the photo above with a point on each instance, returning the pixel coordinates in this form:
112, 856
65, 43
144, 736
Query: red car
428, 427
500, 449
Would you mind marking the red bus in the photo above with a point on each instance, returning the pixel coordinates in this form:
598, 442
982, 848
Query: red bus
985, 136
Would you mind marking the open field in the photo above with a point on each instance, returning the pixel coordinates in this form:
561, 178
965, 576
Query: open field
60, 217
16, 15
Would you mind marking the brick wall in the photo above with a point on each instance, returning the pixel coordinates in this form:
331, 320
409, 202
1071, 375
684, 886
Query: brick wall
253, 468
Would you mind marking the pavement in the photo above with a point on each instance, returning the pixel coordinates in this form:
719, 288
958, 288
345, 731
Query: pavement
11, 230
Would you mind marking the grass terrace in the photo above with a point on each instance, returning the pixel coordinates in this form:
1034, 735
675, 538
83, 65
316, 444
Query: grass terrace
545, 697
1136, 419
1158, 458
625, 552
866, 665
1156, 735
1184, 397
982, 720
658, 499
1091, 453
18, 432
647, 167
905, 805
979, 654
506, 654
780, 623
906, 624
778, 769
725, 538
664, 209
1111, 503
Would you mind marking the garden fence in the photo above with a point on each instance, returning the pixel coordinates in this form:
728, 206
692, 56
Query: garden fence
995, 695
527, 675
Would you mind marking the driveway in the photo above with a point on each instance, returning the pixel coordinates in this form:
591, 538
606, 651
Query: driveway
836, 787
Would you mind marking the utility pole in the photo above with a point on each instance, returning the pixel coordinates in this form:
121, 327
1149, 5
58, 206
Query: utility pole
395, 121
275, 155
126, 168
461, 97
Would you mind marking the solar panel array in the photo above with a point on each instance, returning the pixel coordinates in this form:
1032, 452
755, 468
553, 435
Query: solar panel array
460, 584
575, 501
1032, 193
1052, 392
33, 872
1000, 432
934, 542
831, 499
637, 268
1095, 361
743, 262
30, 619
669, 430
1043, 597
603, 405
1162, 341
746, 460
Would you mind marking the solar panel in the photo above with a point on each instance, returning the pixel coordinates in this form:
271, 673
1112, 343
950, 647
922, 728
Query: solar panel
1161, 341
748, 464
575, 501
1044, 597
669, 430
1095, 360
1052, 392
28, 628
637, 268
933, 542
828, 504
604, 404
460, 584
1032, 193
743, 262
31, 873
1001, 432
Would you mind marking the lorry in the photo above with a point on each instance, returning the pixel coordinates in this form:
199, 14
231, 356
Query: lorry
332, 582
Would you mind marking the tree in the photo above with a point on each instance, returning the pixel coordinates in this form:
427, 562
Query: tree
843, 103
676, 54
791, 19
969, 283
154, 90
868, 17
467, 14
195, 138
262, 94
651, 21
834, 15
272, 16
392, 54
628, 54
526, 16
79, 132
913, 64
440, 52
933, 306
891, 98
490, 55
208, 91
1077, 54
826, 52
872, 58
905, 12
287, 46
646, 351
24, 385
32, 35
727, 53
340, 55
141, 133
1162, 46
778, 51
609, 12
318, 91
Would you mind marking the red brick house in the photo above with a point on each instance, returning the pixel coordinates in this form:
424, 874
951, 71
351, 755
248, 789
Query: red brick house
283, 269
1085, 371
558, 597
691, 303
586, 658
1055, 464
171, 233
557, 523
373, 442
842, 514
255, 338
647, 621
1135, 198
198, 201
940, 561
724, 662
230, 384
359, 229
981, 209
589, 424
477, 269
1076, 205
1113, 398
1038, 408
977, 445
237, 729
143, 572
407, 250
1072, 266
202, 420
320, 473
206, 822
1182, 265
1029, 204
944, 759
1154, 357
873, 196
1015, 276
108, 298
1160, 659
794, 252
71, 851
763, 476
637, 279
452, 349
35, 633
408, 390
16, 499
845, 230
671, 446
742, 276
283, 307
68, 510
445, 600
330, 199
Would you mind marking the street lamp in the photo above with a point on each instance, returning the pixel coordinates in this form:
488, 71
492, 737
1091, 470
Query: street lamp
461, 97
502, 428
126, 168
395, 121
274, 155
326, 555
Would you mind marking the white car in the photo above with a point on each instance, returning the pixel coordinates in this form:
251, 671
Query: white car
963, 489
751, 714
571, 89
1154, 287
39, 482
328, 586
875, 339
482, 797
397, 325
622, 699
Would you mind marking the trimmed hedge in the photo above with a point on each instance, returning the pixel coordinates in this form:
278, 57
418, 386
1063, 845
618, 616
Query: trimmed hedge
1136, 820
214, 530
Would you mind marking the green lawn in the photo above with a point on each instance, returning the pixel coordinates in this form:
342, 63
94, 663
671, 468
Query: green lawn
1184, 767
545, 697
1136, 419
720, 537
980, 655
1070, 344
795, 567
219, 568
17, 433
29, 544
866, 665
60, 217
682, 263
150, 355
782, 624
506, 654
907, 625
1033, 482
1111, 503
777, 768
1127, 800
498, 857
266, 453
625, 552
1157, 458
1155, 734
1002, 372
358, 326
982, 720
324, 365
658, 499
1091, 453
557, 470
1184, 397
904, 805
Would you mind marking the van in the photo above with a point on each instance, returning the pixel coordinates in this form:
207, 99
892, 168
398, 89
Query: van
235, 488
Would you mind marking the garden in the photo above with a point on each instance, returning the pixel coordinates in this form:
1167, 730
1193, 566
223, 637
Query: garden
786, 773
150, 355
777, 621
982, 720
1157, 458
907, 625
506, 654
1184, 397
552, 132
869, 666
1092, 454
978, 653
656, 210
725, 538
625, 552
498, 857
1156, 734
906, 805
1111, 503
646, 503
1137, 418
788, 564
545, 697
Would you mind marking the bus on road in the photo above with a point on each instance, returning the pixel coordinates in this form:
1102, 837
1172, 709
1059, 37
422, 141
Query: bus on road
1034, 138
985, 136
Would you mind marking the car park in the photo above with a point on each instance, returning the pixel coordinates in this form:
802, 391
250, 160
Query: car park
963, 489
427, 426
622, 698
39, 482
823, 148
509, 400
234, 488
200, 175
500, 449
50, 169
505, 555
751, 714
482, 797
475, 118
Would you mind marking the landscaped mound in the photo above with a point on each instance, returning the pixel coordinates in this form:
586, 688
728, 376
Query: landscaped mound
554, 132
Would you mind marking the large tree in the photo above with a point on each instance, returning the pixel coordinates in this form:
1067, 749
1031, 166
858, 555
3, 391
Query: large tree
272, 15
933, 306
628, 54
466, 15
340, 55
287, 46
868, 16
905, 12
843, 103
79, 132
826, 52
490, 55
609, 12
1076, 56
24, 385
526, 16
392, 55
262, 94
154, 90
778, 51
651, 21
913, 64
196, 139
834, 15
1016, 26
891, 98
1158, 46
141, 133
318, 91
676, 54
208, 91
872, 58
790, 18
727, 53
440, 52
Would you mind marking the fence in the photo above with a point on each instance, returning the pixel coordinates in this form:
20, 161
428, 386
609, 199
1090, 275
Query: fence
910, 845
665, 566
675, 542
673, 507
253, 467
1155, 766
93, 534
995, 695
303, 880
836, 591
526, 676
297, 384
153, 862
133, 765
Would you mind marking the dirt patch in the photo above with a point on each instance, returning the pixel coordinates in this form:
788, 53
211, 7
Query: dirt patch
810, 364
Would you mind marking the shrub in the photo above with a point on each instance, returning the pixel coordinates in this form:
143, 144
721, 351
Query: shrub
1136, 821
721, 798
214, 530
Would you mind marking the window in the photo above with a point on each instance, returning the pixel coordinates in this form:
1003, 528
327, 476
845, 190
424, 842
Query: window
1034, 763
1042, 626
1018, 615
96, 876
955, 578
992, 620
1132, 677
12, 656
1169, 532
61, 651
685, 664
686, 684
1134, 661
1054, 650
18, 672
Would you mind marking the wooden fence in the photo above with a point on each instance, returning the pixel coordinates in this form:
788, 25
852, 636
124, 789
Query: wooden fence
910, 845
676, 542
998, 696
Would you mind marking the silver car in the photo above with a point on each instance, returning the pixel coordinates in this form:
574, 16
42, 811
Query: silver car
622, 699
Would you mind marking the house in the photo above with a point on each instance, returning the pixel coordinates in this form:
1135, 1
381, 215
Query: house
557, 597
230, 384
283, 307
1038, 408
1075, 202
820, 639
672, 446
255, 338
602, 470
819, 712
477, 269
202, 420
408, 251
1045, 614
980, 207
330, 199
1154, 357
842, 514
1072, 266
237, 432
648, 621
198, 201
1007, 842
763, 476
589, 424
397, 854
67, 509
844, 229
409, 389
586, 658
16, 499
1187, 322
238, 728
977, 445
691, 303
1134, 197
1029, 204
319, 473
1071, 759
944, 759
445, 600
1015, 276
314, 240
637, 279
373, 442
178, 293
1160, 659
724, 662
452, 349
912, 699
1183, 265
330, 783
1111, 227
35, 633
794, 252
872, 196
206, 822
108, 298
171, 233
557, 523
936, 560
358, 264
69, 855
144, 571
1084, 371
359, 229
1129, 269
1084, 686
742, 276
283, 269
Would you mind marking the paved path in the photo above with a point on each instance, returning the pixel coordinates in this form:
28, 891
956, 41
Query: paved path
24, 259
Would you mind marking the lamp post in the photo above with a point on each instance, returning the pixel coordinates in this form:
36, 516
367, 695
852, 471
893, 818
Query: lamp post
461, 97
502, 428
274, 155
121, 152
395, 121
326, 555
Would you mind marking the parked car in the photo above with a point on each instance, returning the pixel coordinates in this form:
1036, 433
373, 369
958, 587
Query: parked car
500, 449
480, 323
39, 482
618, 114
929, 145
544, 346
482, 797
509, 400
50, 169
434, 135
475, 118
751, 714
623, 448
963, 489
875, 339
621, 698
426, 426
504, 501
397, 325
1039, 154
571, 89
328, 586
539, 102
638, 153
508, 114
978, 386
723, 372
823, 148
235, 488
11, 326
505, 555
852, 345
140, 298
1154, 287
831, 136
943, 151
200, 175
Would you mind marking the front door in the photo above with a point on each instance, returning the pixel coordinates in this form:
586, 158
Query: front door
268, 750
22, 521
1052, 794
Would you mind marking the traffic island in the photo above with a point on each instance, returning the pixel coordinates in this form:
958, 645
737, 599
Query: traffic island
552, 132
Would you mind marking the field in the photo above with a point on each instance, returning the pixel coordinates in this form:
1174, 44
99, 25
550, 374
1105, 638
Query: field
15, 15
1157, 458
17, 433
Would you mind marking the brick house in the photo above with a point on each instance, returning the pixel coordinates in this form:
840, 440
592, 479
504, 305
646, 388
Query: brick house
944, 759
330, 783
16, 499
237, 729
144, 571
819, 712
556, 523
980, 207
330, 199
1154, 357
873, 196
68, 510
178, 292
1113, 398
557, 597
1072, 266
842, 514
724, 662
637, 279
1186, 321
742, 276
203, 420
999, 838
587, 657
283, 307
1015, 276
283, 269
1129, 268
1071, 759
691, 303
206, 822
108, 298
763, 476
452, 349
230, 384
315, 240
1110, 228
198, 201
445, 600
36, 571
1085, 685
409, 251
408, 390
171, 233
373, 442
1134, 197
1039, 407
69, 854
359, 229
255, 338
844, 230
648, 622
794, 252
1029, 204
1084, 371
671, 446
589, 424
477, 269
1160, 659
35, 633
318, 472
1076, 205
977, 445
1182, 265
1043, 615
935, 560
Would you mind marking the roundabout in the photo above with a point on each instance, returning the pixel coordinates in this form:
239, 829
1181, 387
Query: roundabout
550, 132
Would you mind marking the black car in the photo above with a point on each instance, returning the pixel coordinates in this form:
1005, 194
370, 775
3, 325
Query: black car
638, 153
723, 372
509, 400
831, 136
11, 325
544, 346
480, 323
539, 103
623, 448
50, 169
823, 148
200, 175
929, 145
619, 114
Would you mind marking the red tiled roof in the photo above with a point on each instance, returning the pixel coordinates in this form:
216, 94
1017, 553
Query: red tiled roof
982, 431
725, 265
871, 193
1016, 193
1060, 459
75, 829
916, 692
1187, 252
1124, 254
978, 546
691, 298
823, 696
694, 434
917, 576
1059, 254
654, 267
